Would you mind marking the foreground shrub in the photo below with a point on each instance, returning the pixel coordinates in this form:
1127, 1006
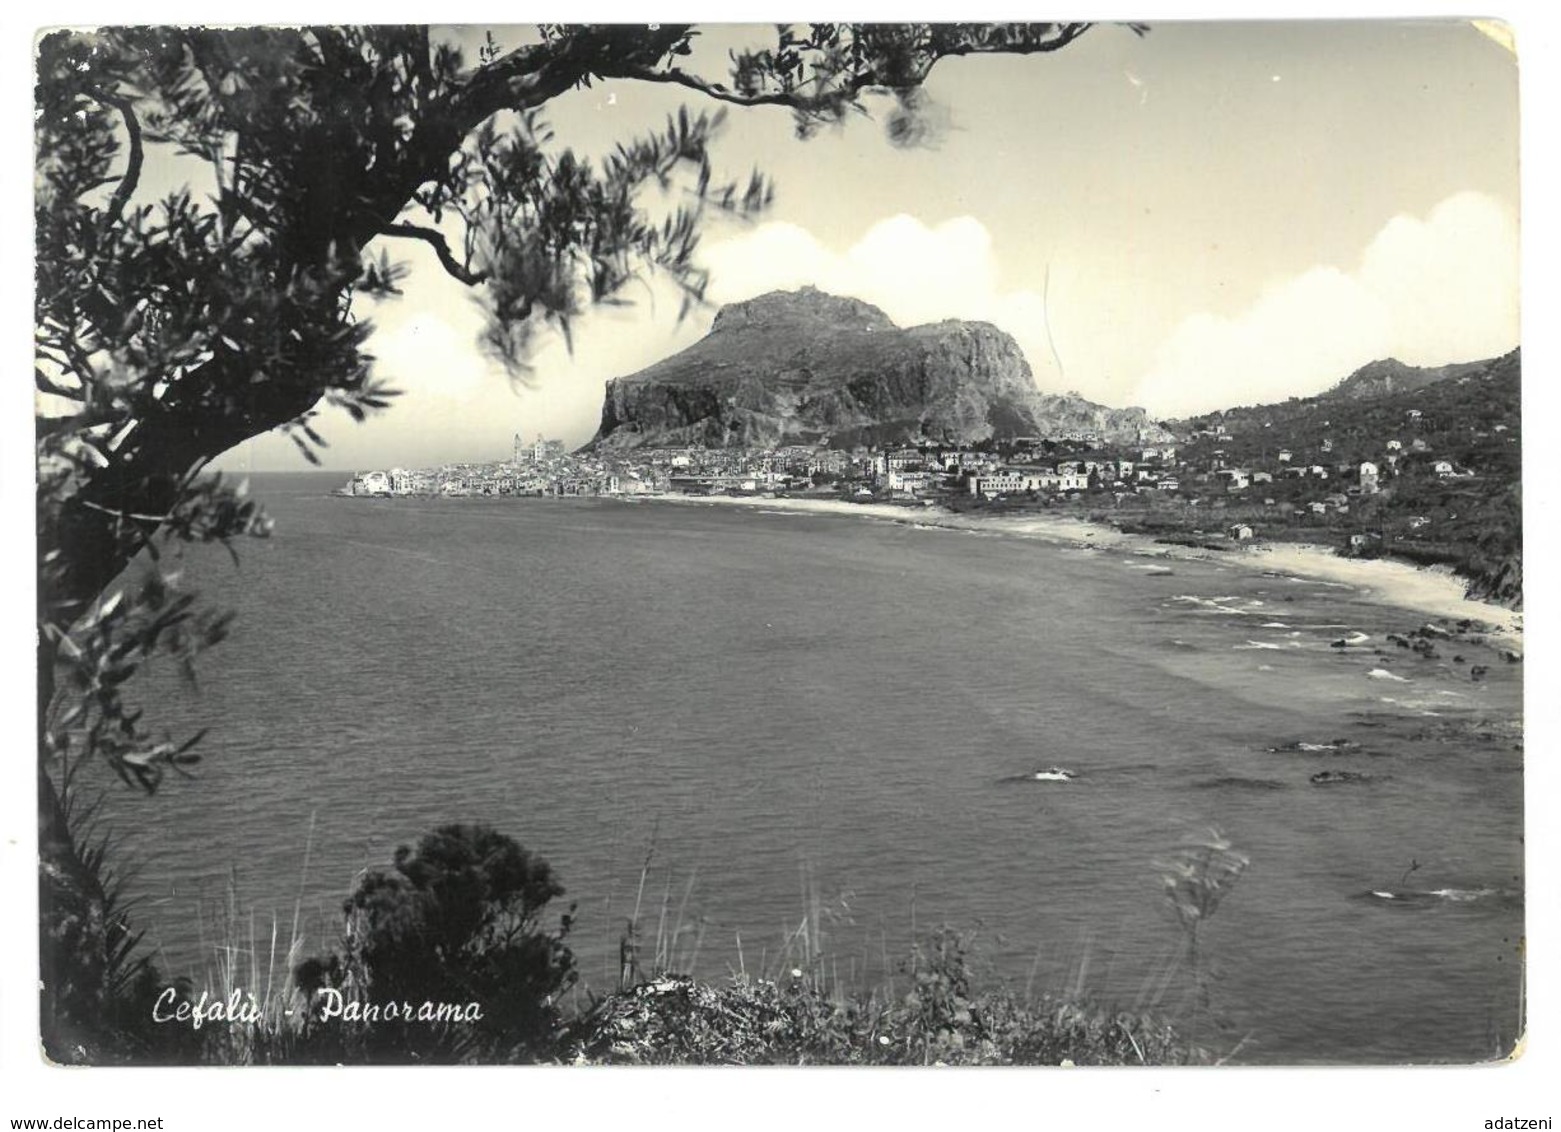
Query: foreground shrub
97, 985
457, 920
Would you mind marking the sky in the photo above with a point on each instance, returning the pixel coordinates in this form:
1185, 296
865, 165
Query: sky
1208, 215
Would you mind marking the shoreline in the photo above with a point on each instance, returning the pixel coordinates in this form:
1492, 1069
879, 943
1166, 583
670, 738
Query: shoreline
1431, 590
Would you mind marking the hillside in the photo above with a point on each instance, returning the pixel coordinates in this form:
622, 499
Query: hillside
807, 367
1469, 414
1389, 375
1447, 441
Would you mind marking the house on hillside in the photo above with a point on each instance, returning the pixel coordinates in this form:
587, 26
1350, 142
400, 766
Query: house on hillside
1369, 478
1442, 468
1240, 531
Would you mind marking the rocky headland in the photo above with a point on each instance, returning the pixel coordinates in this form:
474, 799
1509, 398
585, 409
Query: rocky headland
807, 367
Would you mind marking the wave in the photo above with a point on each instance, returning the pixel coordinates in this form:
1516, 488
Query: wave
1316, 748
1213, 604
1050, 774
1384, 674
1448, 895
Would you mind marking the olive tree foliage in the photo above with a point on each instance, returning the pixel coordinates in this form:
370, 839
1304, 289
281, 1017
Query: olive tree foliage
169, 330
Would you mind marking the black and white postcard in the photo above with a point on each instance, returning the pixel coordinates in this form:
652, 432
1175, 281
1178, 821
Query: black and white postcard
807, 545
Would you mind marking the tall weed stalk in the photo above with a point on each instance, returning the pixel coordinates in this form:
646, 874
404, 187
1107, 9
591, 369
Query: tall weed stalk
1197, 876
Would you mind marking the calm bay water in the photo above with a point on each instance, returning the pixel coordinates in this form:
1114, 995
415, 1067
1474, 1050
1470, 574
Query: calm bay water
791, 706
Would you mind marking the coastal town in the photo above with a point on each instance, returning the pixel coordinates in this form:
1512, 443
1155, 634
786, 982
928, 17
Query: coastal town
1287, 484
921, 474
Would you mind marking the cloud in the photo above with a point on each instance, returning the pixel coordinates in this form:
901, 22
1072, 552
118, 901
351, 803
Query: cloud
1426, 291
1449, 283
432, 353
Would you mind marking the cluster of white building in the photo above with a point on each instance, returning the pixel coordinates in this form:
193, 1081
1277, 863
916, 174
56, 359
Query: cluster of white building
1154, 468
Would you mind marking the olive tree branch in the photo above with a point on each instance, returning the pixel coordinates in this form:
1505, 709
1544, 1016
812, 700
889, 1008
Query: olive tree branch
132, 175
789, 99
436, 240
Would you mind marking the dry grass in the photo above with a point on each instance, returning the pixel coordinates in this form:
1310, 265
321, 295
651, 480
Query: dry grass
788, 1005
933, 1007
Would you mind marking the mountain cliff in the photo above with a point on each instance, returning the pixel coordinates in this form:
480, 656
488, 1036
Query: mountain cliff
807, 367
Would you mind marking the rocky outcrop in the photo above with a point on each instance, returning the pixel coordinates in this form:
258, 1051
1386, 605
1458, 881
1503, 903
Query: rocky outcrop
807, 367
1388, 376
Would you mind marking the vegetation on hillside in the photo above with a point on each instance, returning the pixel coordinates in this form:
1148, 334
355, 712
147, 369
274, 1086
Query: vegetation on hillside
946, 1017
1446, 443
1469, 518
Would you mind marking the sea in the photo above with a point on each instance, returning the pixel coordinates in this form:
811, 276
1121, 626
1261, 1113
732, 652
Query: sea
781, 740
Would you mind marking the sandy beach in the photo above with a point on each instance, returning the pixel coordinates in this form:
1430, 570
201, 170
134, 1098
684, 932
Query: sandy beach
1434, 591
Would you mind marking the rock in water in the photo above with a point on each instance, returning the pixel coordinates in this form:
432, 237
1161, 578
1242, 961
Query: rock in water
807, 367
